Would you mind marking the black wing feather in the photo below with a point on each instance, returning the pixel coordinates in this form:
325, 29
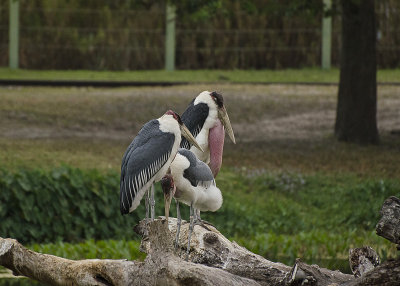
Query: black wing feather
194, 118
198, 172
144, 157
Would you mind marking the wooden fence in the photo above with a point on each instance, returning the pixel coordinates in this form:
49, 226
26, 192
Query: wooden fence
55, 35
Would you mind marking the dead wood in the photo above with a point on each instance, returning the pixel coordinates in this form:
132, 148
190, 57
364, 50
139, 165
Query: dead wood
387, 274
389, 224
213, 260
363, 260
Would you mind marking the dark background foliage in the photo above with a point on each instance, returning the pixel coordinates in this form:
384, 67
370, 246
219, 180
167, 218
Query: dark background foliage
69, 204
63, 204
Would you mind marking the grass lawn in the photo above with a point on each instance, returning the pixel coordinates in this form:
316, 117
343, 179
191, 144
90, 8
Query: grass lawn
315, 75
181, 76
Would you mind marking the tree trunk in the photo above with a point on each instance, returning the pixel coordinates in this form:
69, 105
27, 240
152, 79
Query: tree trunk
356, 107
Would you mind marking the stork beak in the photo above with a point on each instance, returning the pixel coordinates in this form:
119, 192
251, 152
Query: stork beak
167, 204
223, 116
186, 133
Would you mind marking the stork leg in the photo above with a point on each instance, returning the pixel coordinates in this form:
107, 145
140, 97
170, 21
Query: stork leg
190, 230
152, 202
201, 222
147, 203
178, 225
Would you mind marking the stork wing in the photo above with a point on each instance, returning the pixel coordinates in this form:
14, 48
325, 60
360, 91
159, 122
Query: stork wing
145, 156
198, 172
194, 118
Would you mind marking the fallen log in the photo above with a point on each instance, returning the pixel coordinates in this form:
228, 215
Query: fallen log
213, 260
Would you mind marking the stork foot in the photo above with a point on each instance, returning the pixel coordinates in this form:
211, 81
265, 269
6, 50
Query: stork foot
204, 224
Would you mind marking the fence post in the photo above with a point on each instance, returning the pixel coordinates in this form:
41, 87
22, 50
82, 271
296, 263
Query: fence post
326, 37
170, 38
13, 34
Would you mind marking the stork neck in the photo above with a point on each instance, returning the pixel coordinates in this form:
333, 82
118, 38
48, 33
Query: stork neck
216, 144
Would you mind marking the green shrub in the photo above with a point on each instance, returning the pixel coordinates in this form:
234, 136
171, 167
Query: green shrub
292, 203
70, 205
64, 204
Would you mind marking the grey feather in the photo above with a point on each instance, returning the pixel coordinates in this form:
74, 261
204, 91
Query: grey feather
194, 118
144, 157
198, 173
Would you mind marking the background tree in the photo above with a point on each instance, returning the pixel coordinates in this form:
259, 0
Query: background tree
356, 108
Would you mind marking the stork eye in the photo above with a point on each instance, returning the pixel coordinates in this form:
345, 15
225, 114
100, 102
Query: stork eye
218, 99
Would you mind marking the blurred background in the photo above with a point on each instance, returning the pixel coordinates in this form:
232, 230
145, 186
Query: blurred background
79, 79
131, 35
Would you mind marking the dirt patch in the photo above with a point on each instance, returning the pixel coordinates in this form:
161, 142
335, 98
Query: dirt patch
258, 112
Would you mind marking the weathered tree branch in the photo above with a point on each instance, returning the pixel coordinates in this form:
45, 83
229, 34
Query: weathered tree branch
217, 261
363, 260
389, 224
54, 270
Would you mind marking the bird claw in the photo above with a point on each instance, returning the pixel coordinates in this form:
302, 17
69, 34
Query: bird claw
176, 246
203, 223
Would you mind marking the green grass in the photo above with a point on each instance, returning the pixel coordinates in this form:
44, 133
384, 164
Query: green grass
327, 156
91, 249
50, 153
289, 75
182, 75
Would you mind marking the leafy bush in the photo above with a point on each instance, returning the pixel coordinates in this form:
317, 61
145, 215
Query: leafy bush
292, 203
325, 248
70, 205
64, 204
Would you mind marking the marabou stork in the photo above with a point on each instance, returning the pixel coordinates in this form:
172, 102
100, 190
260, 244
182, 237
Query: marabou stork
206, 118
191, 182
148, 158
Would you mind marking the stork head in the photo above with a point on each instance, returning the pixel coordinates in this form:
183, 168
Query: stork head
222, 114
169, 188
184, 130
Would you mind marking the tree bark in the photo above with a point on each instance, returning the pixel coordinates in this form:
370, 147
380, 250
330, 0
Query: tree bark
389, 224
213, 260
387, 274
357, 99
363, 260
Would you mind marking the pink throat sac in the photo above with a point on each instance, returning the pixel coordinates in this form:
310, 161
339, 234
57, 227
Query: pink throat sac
216, 138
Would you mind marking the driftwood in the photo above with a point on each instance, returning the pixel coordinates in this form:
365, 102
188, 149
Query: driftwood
213, 260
